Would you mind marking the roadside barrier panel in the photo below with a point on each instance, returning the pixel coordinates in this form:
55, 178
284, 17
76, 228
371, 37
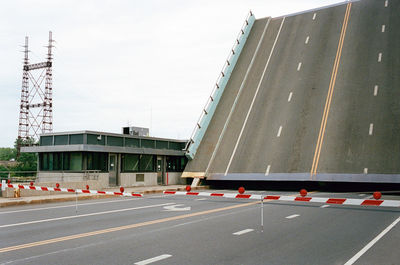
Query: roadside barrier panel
338, 201
31, 187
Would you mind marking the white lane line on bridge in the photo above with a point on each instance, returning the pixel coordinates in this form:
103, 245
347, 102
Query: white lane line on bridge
267, 171
307, 39
386, 3
243, 232
371, 128
375, 90
380, 57
373, 242
292, 216
279, 132
299, 66
325, 206
254, 98
85, 215
290, 96
383, 28
238, 95
158, 258
202, 199
65, 206
314, 16
365, 170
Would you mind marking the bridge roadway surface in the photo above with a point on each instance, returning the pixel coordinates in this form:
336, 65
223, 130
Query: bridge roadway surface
278, 115
294, 232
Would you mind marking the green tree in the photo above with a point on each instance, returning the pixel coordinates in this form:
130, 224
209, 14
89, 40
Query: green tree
7, 153
26, 161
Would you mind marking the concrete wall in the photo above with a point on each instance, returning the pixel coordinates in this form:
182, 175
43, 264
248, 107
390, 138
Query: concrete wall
129, 179
72, 179
174, 178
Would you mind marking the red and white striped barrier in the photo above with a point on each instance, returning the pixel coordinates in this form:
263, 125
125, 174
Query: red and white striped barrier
384, 203
28, 187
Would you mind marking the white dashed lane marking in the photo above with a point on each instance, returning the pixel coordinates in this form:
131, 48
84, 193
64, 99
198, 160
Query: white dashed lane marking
386, 3
299, 66
324, 206
314, 16
371, 128
375, 90
366, 170
267, 171
158, 258
307, 39
279, 132
380, 57
383, 28
292, 216
243, 232
290, 96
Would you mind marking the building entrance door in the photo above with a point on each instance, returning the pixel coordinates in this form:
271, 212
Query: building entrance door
113, 169
160, 170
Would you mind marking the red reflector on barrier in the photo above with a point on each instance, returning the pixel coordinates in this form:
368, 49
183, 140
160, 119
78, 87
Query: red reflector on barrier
44, 188
304, 199
169, 192
192, 193
336, 201
57, 189
243, 196
70, 190
85, 191
32, 188
101, 192
118, 193
21, 186
136, 195
371, 202
217, 194
271, 197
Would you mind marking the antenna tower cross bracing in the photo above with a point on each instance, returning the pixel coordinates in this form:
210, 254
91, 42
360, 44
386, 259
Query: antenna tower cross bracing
36, 108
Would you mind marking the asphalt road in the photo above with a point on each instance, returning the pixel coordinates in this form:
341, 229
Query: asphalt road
211, 231
321, 96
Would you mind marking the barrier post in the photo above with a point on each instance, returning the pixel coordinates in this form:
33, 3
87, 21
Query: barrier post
262, 213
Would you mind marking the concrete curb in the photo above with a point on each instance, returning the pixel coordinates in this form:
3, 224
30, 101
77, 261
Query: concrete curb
13, 202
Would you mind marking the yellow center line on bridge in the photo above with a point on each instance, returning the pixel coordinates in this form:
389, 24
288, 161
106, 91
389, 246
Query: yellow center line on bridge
330, 94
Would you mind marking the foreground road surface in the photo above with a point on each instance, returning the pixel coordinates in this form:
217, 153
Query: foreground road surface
193, 230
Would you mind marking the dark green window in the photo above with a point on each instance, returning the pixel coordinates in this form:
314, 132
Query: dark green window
96, 161
96, 139
115, 141
161, 144
176, 163
146, 163
46, 140
130, 163
146, 143
60, 139
132, 142
76, 139
176, 145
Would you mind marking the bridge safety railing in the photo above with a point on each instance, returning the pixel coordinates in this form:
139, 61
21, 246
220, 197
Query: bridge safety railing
222, 80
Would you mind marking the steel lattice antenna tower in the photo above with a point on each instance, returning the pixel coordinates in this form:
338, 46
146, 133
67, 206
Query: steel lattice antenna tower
36, 108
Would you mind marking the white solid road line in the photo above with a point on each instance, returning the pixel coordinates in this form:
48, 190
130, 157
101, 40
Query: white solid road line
383, 28
373, 242
315, 14
376, 90
85, 215
324, 206
254, 98
380, 57
290, 96
267, 171
242, 232
299, 66
371, 129
221, 135
158, 258
65, 206
279, 132
202, 199
292, 216
307, 39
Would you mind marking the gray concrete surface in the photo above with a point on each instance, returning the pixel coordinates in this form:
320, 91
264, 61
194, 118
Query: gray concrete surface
347, 147
315, 235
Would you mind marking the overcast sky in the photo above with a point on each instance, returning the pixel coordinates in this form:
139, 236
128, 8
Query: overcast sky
146, 63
